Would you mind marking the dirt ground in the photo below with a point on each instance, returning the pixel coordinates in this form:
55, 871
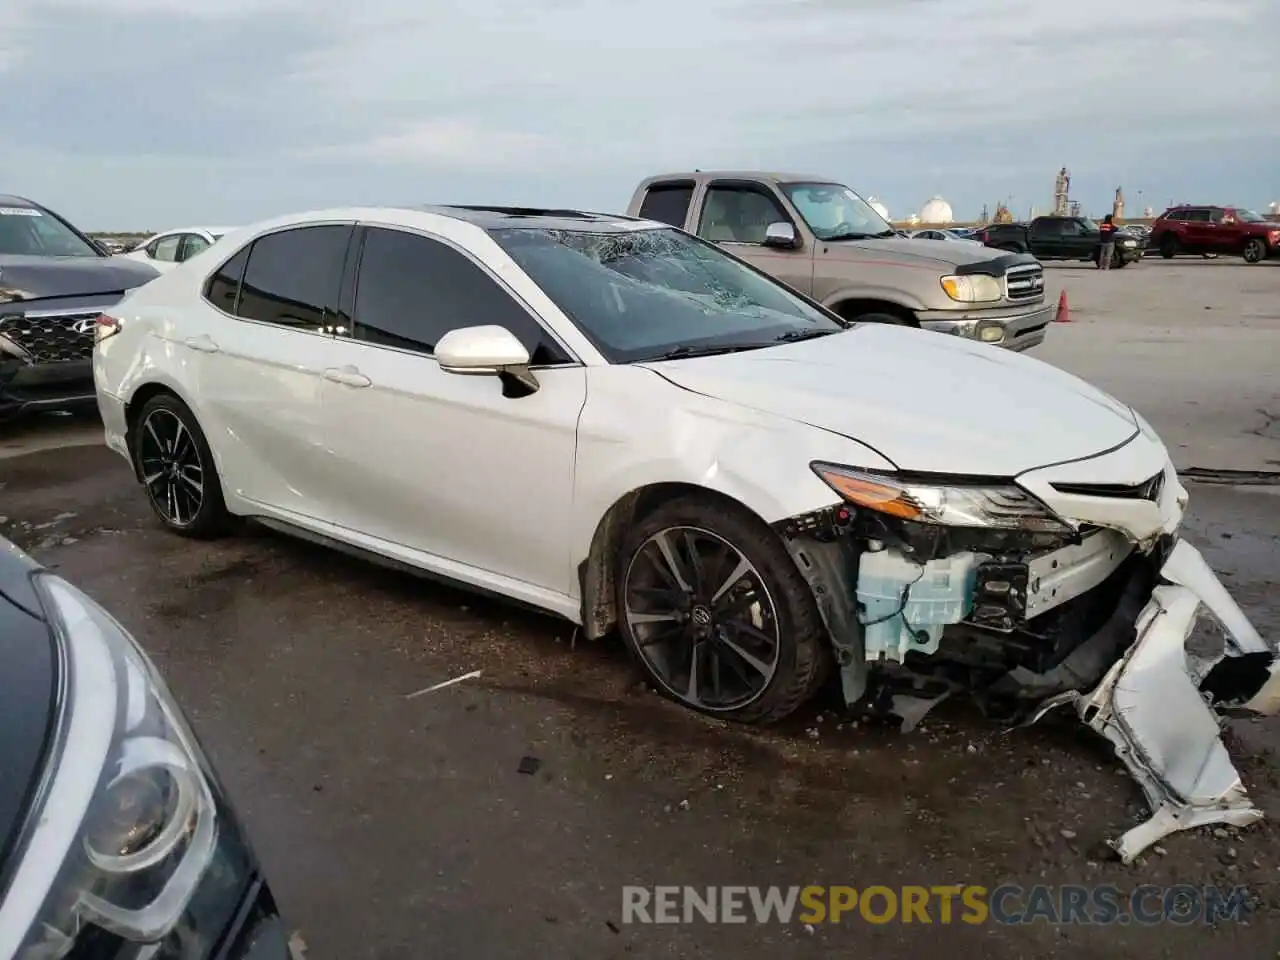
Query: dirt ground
401, 827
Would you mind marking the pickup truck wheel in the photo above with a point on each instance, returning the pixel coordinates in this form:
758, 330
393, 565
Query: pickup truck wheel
1168, 246
1255, 251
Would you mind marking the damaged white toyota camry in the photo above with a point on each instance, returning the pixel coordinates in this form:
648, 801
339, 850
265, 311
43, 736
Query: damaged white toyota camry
617, 422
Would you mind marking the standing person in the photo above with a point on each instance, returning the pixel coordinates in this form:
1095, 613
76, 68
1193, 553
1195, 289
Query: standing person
1108, 248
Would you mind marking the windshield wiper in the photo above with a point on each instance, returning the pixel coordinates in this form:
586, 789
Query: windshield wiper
680, 353
792, 336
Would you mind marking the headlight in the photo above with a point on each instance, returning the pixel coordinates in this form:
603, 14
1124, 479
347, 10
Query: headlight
126, 826
998, 506
973, 288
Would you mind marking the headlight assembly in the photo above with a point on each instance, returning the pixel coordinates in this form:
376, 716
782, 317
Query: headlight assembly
994, 506
126, 824
973, 288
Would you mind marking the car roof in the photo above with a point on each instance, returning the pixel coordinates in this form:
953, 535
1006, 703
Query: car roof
9, 200
427, 216
165, 233
762, 175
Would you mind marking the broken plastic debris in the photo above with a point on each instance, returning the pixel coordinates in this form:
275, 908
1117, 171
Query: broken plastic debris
529, 765
1151, 707
446, 683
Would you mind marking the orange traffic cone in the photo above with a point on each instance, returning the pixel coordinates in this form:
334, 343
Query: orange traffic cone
1064, 311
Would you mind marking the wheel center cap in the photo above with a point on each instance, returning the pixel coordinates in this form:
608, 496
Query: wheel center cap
700, 616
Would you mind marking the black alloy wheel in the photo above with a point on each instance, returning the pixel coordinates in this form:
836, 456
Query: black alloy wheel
716, 613
176, 468
1255, 250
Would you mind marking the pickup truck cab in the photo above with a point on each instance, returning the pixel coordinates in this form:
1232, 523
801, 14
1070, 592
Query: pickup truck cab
823, 240
1062, 238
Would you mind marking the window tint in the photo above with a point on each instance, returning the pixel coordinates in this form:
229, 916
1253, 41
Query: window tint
1176, 214
667, 203
1199, 215
192, 243
735, 215
224, 285
413, 290
1046, 227
166, 249
293, 277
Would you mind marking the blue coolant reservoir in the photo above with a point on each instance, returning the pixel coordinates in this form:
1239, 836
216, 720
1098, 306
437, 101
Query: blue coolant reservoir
936, 593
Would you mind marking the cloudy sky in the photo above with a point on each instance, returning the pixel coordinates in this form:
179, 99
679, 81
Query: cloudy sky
131, 114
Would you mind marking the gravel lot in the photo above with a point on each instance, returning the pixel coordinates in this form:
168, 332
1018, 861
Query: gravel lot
398, 827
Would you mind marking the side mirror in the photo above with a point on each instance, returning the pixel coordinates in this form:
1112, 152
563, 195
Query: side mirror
488, 351
781, 235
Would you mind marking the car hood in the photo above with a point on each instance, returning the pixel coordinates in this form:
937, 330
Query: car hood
34, 278
940, 253
927, 402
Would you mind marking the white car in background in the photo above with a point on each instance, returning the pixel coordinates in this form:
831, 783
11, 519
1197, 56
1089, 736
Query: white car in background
941, 234
626, 426
164, 251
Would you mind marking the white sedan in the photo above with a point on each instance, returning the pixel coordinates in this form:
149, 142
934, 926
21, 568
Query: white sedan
628, 427
164, 251
942, 234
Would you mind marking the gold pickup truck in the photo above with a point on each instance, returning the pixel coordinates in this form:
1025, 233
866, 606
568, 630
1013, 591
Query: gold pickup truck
824, 240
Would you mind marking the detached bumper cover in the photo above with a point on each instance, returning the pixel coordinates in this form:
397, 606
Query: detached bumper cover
1157, 703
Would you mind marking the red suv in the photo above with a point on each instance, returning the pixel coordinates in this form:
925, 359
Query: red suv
1188, 229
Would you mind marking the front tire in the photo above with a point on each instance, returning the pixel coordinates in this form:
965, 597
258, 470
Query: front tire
176, 467
716, 613
1255, 251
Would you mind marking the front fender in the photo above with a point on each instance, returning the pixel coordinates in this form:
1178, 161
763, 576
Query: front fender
638, 429
861, 292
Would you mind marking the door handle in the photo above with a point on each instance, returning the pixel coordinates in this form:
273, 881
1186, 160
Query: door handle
347, 376
203, 343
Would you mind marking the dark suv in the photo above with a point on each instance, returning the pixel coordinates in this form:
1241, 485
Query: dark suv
54, 282
1211, 230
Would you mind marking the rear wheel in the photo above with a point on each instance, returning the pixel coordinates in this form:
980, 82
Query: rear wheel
1255, 250
716, 612
176, 467
1168, 246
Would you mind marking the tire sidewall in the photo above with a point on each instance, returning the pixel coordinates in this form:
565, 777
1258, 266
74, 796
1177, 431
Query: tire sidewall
782, 584
1254, 244
211, 518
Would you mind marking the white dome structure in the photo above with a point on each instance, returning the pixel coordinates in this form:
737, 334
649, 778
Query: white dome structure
936, 210
878, 207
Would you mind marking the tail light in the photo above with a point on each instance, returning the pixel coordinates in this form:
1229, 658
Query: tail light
106, 326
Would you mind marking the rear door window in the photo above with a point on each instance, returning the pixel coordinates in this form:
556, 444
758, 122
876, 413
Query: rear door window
1198, 215
667, 203
166, 249
1046, 228
192, 243
293, 277
412, 290
223, 287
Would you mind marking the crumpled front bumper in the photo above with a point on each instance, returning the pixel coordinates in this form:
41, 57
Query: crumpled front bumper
1154, 704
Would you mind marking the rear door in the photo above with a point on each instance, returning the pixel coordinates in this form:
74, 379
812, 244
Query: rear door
444, 464
668, 202
736, 214
1200, 230
1045, 236
272, 315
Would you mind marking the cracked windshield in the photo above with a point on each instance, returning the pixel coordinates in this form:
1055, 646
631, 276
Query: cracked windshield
655, 294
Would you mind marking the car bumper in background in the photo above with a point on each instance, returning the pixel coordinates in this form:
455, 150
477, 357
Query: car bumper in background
26, 387
1018, 329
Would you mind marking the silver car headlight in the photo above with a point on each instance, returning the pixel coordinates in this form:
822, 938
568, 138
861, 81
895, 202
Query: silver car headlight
986, 506
126, 823
973, 288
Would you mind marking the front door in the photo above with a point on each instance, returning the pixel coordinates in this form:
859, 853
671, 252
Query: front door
736, 216
266, 340
442, 463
